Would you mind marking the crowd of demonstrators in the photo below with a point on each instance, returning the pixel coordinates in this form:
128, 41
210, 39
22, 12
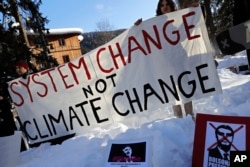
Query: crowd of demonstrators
164, 7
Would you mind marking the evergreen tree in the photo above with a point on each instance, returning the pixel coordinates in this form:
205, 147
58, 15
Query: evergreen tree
18, 17
219, 15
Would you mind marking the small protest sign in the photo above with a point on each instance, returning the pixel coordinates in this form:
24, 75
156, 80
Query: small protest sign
216, 137
129, 153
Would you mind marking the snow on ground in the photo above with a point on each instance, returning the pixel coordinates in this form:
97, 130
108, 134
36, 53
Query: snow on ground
172, 138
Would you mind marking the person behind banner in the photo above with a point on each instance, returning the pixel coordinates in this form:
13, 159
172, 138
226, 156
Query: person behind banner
22, 69
164, 7
188, 107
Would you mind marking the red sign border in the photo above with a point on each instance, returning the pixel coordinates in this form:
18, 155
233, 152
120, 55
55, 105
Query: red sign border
200, 133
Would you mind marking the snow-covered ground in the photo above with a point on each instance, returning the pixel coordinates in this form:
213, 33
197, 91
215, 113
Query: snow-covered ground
172, 138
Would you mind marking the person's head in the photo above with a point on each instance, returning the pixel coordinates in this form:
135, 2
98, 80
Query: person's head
165, 6
224, 135
21, 68
188, 3
127, 151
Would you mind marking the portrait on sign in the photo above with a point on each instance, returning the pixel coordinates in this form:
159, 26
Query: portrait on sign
129, 153
221, 138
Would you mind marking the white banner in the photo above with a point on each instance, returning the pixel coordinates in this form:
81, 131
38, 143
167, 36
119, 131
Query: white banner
166, 59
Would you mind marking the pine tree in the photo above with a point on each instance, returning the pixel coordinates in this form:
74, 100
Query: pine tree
17, 18
219, 15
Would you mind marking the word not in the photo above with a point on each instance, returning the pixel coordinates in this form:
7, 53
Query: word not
82, 114
72, 74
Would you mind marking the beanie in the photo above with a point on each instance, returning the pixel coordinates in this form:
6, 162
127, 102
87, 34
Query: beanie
23, 64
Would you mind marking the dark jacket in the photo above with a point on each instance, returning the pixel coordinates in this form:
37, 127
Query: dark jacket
7, 123
215, 153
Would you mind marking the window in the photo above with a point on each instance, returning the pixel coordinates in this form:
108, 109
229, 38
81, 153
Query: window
65, 58
61, 42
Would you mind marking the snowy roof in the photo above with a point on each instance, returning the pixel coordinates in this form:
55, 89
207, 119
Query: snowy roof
65, 31
60, 31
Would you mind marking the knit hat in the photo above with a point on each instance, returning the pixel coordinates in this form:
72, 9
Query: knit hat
22, 64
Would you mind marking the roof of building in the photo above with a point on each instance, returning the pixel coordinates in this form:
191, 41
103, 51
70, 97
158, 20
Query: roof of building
65, 31
60, 31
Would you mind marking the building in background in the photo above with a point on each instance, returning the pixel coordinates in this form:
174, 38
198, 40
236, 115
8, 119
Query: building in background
63, 45
67, 44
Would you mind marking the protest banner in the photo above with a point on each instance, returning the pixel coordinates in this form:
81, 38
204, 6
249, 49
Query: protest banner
217, 137
167, 59
129, 153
